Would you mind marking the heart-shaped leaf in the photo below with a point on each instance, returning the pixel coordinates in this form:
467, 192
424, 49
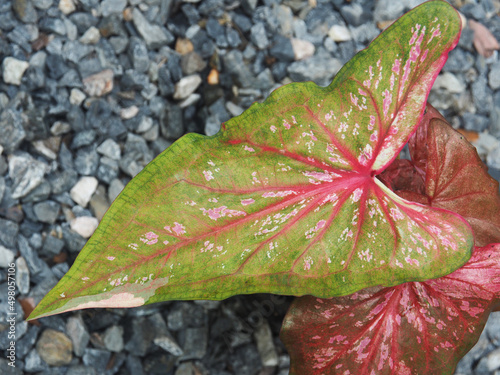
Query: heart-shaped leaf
446, 172
284, 198
421, 328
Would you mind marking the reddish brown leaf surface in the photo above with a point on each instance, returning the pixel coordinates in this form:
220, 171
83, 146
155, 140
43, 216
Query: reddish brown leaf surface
413, 328
455, 177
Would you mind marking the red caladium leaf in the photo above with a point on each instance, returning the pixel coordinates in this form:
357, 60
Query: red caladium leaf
446, 172
284, 199
414, 328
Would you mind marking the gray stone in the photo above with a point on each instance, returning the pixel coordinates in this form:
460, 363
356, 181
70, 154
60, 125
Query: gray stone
119, 43
26, 173
84, 138
25, 11
388, 10
258, 36
186, 368
40, 193
97, 359
37, 267
113, 339
85, 226
52, 25
115, 188
233, 38
81, 370
482, 96
2, 180
192, 62
134, 365
475, 122
492, 328
47, 211
77, 332
459, 61
282, 49
74, 51
12, 130
22, 277
194, 343
493, 360
67, 6
234, 64
56, 66
475, 11
86, 161
6, 257
34, 363
302, 49
52, 246
365, 33
494, 76
317, 69
168, 343
450, 82
138, 54
62, 181
26, 343
109, 7
212, 125
13, 70
108, 169
186, 86
110, 149
8, 233
171, 122
264, 81
214, 28
143, 334
71, 29
354, 14
264, 339
153, 35
43, 4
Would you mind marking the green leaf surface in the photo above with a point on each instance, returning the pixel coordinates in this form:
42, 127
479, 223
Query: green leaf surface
284, 199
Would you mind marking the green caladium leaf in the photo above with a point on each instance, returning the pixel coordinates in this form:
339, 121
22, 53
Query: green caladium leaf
418, 328
284, 199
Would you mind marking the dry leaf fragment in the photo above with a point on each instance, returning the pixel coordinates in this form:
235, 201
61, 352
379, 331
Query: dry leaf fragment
484, 41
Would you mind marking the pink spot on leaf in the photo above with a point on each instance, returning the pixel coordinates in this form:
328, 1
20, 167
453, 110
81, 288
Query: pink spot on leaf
387, 101
356, 195
208, 175
179, 229
396, 66
246, 202
222, 211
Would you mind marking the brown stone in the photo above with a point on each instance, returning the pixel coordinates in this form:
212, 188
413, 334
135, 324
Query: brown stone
55, 348
183, 46
99, 84
213, 77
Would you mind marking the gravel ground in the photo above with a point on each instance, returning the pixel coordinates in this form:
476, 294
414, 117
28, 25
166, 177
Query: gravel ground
91, 91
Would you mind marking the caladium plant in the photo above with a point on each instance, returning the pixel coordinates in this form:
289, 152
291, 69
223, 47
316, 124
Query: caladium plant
303, 195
